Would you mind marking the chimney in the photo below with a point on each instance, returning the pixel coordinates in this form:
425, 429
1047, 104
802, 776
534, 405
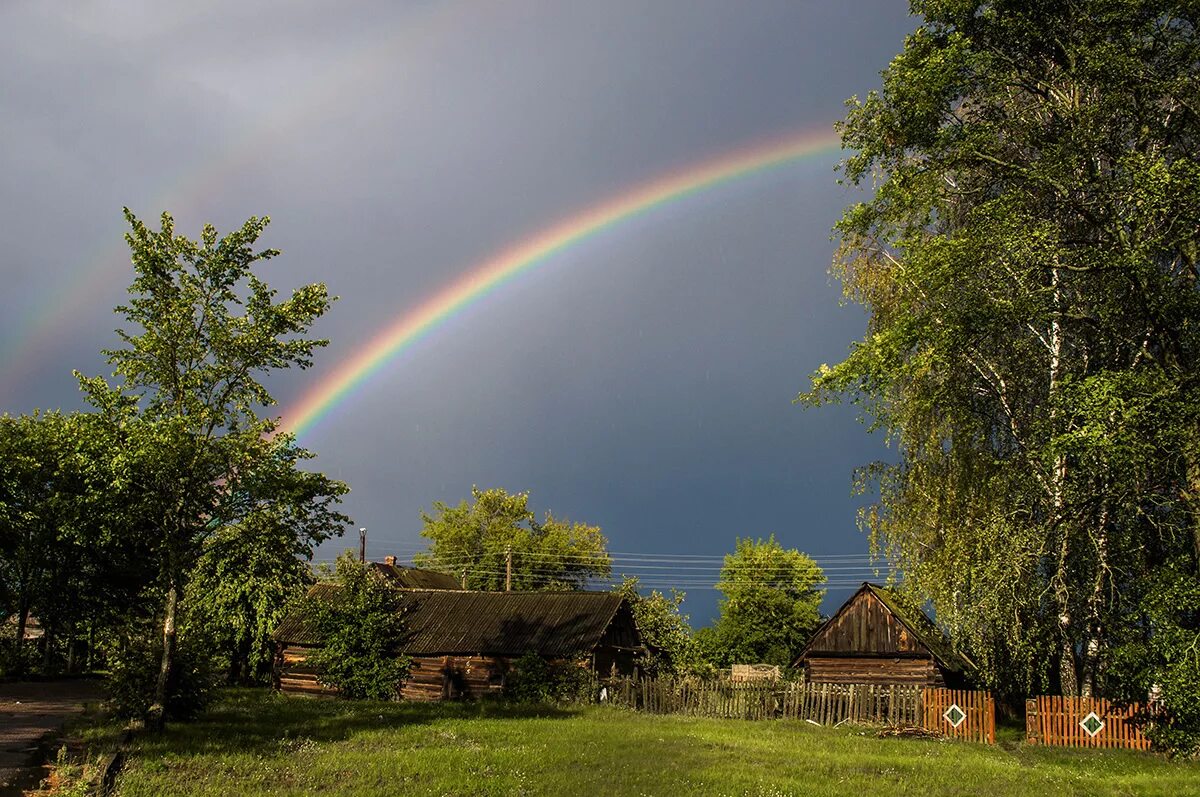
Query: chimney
390, 561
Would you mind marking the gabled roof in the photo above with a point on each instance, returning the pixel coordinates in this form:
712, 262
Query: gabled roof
415, 577
460, 622
912, 618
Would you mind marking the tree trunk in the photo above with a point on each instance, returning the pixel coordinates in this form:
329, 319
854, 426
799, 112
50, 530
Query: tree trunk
1068, 681
1192, 496
157, 717
22, 621
47, 643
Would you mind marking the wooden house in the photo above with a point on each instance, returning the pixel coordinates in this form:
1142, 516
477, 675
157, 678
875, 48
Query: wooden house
876, 638
463, 643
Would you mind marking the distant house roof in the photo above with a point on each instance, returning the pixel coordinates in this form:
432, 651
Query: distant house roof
33, 627
415, 577
460, 622
916, 621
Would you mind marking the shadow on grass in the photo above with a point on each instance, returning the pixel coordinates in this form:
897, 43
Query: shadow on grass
261, 722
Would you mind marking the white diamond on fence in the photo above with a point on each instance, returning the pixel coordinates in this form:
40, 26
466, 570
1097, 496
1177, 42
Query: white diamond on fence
1092, 724
954, 715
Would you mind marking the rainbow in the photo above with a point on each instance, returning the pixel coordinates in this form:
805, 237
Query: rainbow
532, 252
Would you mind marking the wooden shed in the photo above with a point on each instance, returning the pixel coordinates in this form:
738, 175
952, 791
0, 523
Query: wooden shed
463, 643
876, 638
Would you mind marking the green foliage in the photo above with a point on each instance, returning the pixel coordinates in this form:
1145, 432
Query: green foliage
534, 679
664, 630
240, 590
133, 674
64, 556
1029, 258
1165, 662
474, 539
771, 605
361, 629
191, 458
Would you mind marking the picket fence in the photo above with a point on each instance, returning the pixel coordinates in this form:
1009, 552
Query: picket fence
1063, 722
822, 704
974, 720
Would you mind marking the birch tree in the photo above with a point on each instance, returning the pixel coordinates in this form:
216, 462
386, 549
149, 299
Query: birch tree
1029, 261
194, 457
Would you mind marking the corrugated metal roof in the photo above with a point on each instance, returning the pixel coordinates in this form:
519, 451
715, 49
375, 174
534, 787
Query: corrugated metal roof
458, 622
416, 577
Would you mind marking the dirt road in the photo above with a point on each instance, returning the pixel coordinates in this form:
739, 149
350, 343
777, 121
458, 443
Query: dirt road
31, 710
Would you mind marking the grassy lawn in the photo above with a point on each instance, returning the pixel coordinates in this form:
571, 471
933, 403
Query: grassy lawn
257, 743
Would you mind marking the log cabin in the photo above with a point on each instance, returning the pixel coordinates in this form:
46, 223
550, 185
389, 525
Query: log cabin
464, 643
877, 638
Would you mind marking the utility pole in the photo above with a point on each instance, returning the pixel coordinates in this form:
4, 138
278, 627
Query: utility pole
362, 545
508, 569
464, 578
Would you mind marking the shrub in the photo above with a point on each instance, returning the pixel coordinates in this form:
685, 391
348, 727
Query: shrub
534, 679
361, 633
133, 673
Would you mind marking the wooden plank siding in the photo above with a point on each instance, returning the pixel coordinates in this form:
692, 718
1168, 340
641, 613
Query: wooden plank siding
463, 643
1055, 720
874, 638
866, 627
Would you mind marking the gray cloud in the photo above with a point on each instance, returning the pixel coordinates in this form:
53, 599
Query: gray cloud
641, 381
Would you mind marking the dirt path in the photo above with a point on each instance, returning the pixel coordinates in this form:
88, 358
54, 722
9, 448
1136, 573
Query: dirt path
31, 710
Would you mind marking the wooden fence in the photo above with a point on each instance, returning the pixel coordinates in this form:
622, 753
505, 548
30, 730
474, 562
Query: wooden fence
822, 704
1082, 722
867, 704
960, 714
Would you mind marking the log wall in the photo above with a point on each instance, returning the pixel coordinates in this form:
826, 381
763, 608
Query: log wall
294, 675
872, 670
450, 677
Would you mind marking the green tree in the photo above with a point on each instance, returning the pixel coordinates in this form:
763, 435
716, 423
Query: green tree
771, 605
360, 624
476, 540
62, 559
663, 628
193, 456
1029, 258
243, 583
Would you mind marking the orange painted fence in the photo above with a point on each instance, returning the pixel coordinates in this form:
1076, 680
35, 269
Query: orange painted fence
1082, 722
960, 714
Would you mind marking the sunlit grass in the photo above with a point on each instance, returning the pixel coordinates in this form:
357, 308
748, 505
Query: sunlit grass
256, 743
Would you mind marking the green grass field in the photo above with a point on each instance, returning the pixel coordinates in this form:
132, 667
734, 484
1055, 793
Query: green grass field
257, 743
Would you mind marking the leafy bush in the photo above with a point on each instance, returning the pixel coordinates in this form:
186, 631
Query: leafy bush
534, 679
1164, 661
133, 673
361, 632
18, 660
664, 629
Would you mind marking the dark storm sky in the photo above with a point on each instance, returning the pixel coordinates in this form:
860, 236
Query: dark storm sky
642, 381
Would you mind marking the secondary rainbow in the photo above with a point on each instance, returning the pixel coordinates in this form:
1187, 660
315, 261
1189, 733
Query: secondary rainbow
526, 255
